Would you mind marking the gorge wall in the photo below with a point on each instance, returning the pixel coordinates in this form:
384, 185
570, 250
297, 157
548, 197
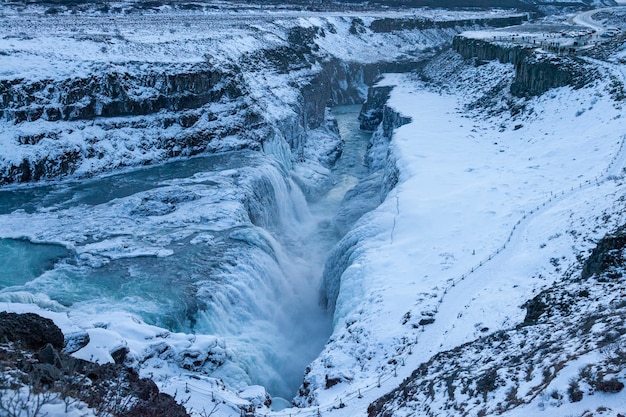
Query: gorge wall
133, 112
534, 73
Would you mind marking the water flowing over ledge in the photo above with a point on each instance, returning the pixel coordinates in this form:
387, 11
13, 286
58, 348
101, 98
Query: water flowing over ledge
220, 245
244, 245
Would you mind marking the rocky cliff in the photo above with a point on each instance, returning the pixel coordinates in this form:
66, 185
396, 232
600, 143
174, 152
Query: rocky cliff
131, 103
115, 92
156, 111
32, 359
534, 73
390, 25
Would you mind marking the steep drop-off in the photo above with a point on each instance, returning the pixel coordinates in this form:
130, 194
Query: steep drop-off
534, 73
268, 95
136, 110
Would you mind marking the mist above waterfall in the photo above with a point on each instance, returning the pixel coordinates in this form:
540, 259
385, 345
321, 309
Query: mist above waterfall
222, 245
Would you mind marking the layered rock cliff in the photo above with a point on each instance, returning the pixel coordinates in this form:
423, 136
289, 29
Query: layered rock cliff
128, 101
535, 73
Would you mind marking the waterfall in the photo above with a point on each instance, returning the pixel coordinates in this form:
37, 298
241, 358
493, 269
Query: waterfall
221, 246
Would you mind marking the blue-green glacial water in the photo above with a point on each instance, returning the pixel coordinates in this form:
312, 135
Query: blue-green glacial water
220, 244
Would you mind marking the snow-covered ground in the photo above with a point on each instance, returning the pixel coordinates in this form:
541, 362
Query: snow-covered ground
37, 46
489, 209
76, 66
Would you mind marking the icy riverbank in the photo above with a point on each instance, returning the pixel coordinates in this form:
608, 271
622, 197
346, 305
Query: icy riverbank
488, 210
484, 198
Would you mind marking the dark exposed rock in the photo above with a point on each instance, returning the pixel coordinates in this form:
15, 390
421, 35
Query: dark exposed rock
29, 330
392, 120
112, 93
484, 50
341, 83
387, 25
48, 355
45, 374
534, 74
534, 309
119, 354
331, 382
607, 253
162, 404
372, 111
100, 386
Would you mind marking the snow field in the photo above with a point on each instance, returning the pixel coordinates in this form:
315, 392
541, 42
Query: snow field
468, 186
482, 219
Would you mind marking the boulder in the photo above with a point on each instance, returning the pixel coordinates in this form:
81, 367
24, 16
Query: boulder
30, 331
75, 341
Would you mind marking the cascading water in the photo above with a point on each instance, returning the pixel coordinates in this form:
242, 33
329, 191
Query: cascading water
223, 245
350, 168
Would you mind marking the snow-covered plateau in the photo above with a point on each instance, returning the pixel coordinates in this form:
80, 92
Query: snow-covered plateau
185, 194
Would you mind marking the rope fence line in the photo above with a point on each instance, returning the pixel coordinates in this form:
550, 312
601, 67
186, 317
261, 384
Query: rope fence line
598, 180
357, 393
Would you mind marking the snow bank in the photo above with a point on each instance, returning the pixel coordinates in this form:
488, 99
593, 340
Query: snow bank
482, 206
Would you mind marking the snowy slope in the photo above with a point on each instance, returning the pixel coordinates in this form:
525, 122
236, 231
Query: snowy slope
489, 209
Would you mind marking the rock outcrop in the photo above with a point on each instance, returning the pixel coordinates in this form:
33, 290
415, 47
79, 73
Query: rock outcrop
115, 92
534, 73
29, 330
607, 254
31, 357
372, 111
389, 25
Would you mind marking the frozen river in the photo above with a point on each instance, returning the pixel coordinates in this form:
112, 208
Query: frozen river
223, 245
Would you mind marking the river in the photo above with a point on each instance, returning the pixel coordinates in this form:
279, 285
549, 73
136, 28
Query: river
174, 245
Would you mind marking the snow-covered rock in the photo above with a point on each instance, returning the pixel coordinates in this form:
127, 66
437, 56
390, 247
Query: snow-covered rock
477, 202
